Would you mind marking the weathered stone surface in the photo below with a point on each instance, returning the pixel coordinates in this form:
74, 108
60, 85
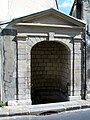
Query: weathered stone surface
9, 68
43, 58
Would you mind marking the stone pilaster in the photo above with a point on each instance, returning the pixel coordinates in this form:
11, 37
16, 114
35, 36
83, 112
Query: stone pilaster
76, 71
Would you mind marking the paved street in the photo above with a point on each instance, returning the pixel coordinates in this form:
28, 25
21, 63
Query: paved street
73, 115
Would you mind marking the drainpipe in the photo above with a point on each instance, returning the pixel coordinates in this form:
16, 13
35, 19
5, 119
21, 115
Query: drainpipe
16, 69
73, 66
85, 84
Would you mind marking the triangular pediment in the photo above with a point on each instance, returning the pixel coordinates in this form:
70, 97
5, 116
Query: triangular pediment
50, 16
50, 19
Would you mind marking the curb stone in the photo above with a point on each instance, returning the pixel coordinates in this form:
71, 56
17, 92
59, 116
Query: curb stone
43, 108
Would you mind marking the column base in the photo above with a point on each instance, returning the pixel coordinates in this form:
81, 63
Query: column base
74, 98
19, 102
88, 96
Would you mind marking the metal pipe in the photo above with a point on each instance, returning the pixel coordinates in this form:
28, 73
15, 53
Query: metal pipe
73, 65
16, 70
85, 84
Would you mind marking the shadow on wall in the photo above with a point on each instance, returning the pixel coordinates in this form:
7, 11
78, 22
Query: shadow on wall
50, 72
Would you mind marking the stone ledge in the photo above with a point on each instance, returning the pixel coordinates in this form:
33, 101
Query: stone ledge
74, 98
19, 102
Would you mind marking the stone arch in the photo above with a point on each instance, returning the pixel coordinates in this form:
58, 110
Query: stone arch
31, 41
50, 72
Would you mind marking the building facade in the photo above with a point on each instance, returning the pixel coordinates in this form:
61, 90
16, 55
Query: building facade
81, 10
15, 9
42, 56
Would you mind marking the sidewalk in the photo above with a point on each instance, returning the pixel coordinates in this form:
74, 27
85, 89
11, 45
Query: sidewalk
42, 108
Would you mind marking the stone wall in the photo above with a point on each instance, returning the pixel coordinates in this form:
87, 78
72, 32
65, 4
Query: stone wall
8, 79
22, 70
88, 71
53, 63
24, 65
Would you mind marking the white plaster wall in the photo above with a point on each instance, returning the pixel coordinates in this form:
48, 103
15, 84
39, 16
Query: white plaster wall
18, 8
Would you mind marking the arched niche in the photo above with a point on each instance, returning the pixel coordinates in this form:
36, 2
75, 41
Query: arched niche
50, 72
